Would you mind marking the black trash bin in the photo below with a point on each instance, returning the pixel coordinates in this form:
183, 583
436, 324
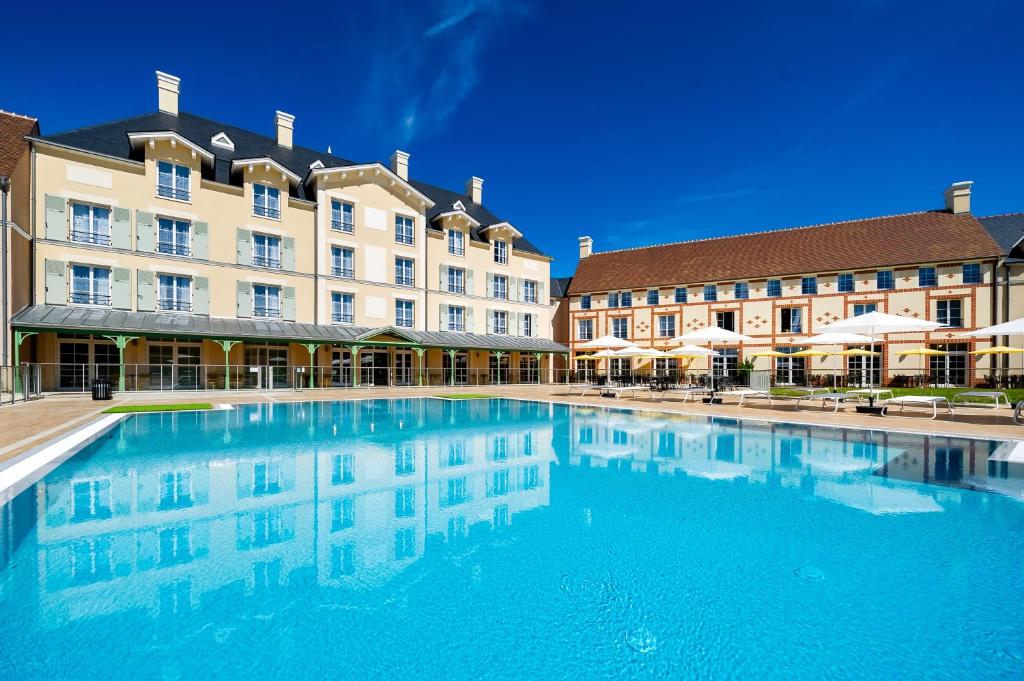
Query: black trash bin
102, 390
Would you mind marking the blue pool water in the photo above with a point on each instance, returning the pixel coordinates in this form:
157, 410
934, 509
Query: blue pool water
428, 538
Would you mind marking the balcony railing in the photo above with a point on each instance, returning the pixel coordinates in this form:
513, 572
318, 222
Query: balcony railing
404, 281
343, 318
173, 248
456, 288
89, 298
266, 211
265, 261
174, 305
272, 312
87, 237
343, 226
456, 250
405, 323
456, 326
343, 272
404, 238
169, 192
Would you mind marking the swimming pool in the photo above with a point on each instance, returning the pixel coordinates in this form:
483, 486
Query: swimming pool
503, 538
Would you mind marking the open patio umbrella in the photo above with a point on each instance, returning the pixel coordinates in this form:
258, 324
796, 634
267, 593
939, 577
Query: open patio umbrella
837, 338
769, 353
921, 352
875, 324
606, 342
1011, 328
637, 351
998, 350
710, 336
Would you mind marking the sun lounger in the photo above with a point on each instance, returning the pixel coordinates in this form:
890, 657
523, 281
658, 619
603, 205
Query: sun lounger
617, 392
981, 398
877, 393
835, 398
749, 394
918, 401
582, 389
688, 393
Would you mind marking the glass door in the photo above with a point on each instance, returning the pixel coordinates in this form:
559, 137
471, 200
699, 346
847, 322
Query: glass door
461, 368
341, 368
161, 367
74, 365
277, 367
403, 367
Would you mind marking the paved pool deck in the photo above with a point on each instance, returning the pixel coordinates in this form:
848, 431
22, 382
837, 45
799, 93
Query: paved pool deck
25, 426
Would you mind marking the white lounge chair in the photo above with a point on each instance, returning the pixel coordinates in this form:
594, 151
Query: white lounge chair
750, 394
687, 393
981, 398
583, 388
918, 401
617, 392
835, 398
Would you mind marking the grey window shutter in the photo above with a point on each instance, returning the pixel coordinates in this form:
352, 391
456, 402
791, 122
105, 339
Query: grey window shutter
490, 320
146, 295
121, 229
533, 326
470, 291
442, 317
514, 329
145, 237
201, 241
513, 288
56, 282
201, 295
490, 285
540, 293
244, 246
121, 288
288, 253
244, 306
56, 218
469, 320
288, 303
443, 285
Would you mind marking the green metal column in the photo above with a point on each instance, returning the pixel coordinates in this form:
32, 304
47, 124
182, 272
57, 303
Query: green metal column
19, 336
451, 355
226, 346
121, 342
538, 355
497, 374
311, 348
354, 349
565, 356
419, 363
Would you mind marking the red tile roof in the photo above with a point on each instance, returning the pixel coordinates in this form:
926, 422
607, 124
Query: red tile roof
927, 237
13, 128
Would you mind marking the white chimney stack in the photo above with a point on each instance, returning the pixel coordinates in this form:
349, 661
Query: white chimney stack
167, 89
958, 197
285, 124
475, 189
400, 164
586, 247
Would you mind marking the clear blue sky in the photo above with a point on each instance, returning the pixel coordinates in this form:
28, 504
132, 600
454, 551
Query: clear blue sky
634, 122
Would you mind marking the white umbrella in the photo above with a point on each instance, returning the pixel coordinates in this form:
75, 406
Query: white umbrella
874, 324
691, 351
604, 342
710, 335
835, 338
1014, 328
637, 351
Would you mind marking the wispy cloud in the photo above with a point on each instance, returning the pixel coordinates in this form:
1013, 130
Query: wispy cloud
709, 197
415, 87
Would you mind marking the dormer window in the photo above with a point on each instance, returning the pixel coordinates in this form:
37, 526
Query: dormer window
173, 181
222, 140
266, 201
501, 251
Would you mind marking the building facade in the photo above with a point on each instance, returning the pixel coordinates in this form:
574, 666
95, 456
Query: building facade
168, 242
779, 286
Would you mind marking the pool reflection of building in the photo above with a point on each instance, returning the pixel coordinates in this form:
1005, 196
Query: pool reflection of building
826, 463
161, 535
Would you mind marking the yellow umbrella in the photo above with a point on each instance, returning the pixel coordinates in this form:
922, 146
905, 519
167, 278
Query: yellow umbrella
857, 352
810, 353
922, 353
586, 357
998, 350
768, 353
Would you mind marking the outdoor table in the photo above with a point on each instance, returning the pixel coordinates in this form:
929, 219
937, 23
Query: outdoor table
837, 398
993, 398
805, 392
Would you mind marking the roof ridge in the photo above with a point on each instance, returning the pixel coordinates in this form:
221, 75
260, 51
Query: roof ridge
14, 113
999, 215
766, 231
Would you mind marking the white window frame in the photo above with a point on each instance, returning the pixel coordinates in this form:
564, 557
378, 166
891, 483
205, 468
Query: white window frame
504, 286
501, 251
173, 193
266, 210
529, 291
456, 280
405, 265
456, 318
175, 248
405, 223
96, 237
92, 293
456, 235
266, 239
614, 322
502, 317
400, 321
663, 320
340, 225
338, 262
338, 304
580, 323
267, 288
176, 304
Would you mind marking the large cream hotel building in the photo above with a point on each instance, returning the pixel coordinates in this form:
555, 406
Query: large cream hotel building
173, 251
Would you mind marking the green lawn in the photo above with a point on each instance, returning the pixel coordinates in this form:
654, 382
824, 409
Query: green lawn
466, 396
1013, 395
134, 408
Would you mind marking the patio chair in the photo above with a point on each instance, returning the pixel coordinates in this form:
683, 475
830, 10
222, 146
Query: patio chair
918, 401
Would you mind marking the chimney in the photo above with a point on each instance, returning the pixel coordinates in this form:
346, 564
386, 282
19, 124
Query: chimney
167, 88
475, 189
958, 197
400, 164
285, 123
586, 247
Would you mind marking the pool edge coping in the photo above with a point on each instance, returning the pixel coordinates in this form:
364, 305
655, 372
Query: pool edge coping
29, 467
